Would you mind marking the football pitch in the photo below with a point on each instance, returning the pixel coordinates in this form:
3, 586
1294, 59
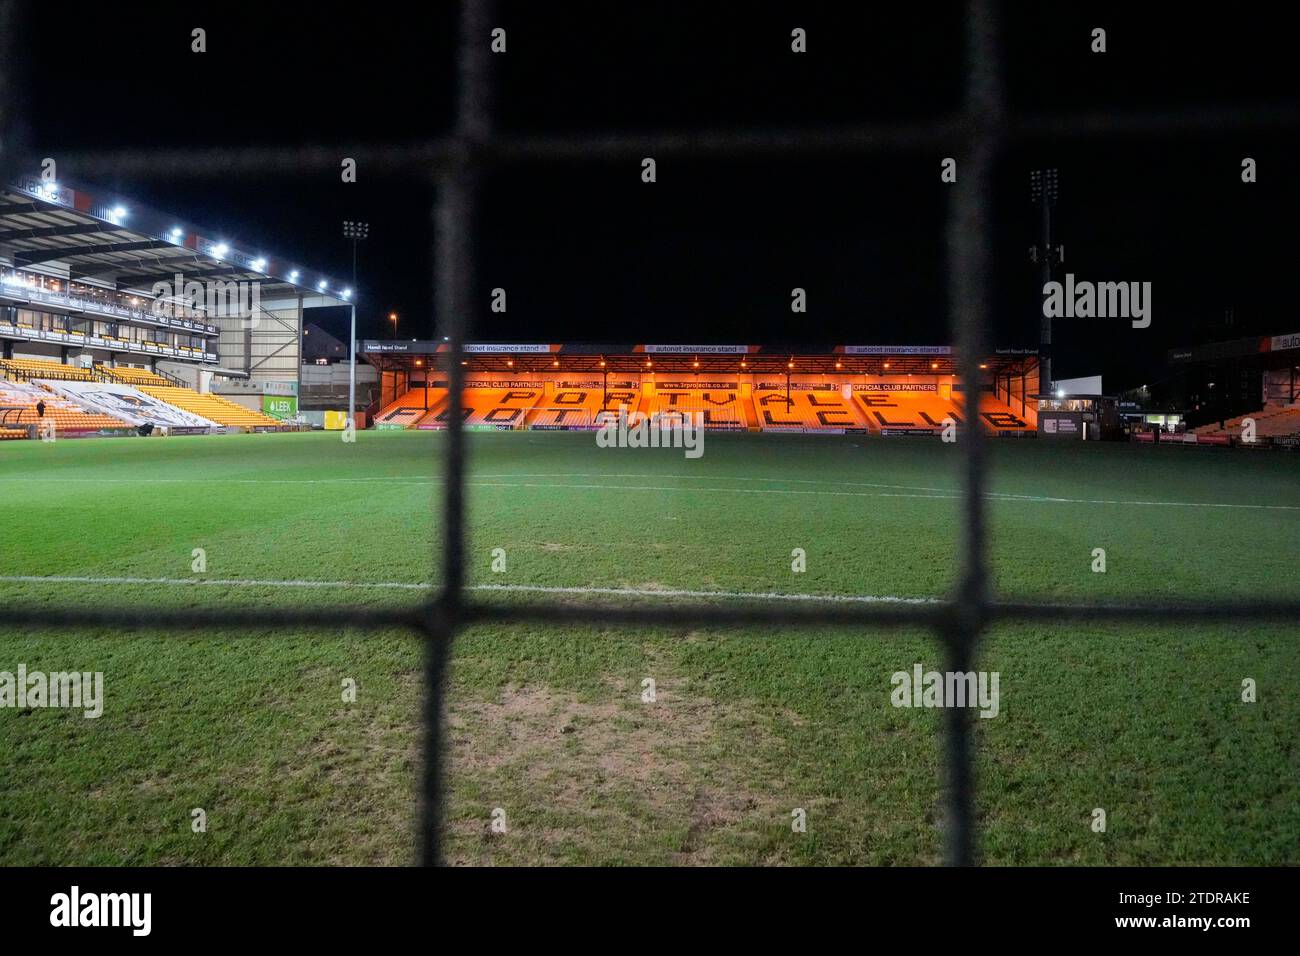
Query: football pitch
551, 733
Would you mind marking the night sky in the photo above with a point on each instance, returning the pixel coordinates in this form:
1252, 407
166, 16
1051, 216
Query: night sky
711, 251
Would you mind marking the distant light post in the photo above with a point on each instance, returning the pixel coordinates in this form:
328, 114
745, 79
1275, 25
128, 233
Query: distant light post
356, 231
1044, 188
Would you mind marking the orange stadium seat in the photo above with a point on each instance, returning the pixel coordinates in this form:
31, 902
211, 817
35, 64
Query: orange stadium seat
411, 407
500, 407
1271, 421
627, 398
132, 376
212, 407
488, 407
806, 410
910, 410
37, 368
567, 408
67, 416
997, 416
718, 407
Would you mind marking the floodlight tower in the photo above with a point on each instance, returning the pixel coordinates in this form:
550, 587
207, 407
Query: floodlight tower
356, 231
1043, 190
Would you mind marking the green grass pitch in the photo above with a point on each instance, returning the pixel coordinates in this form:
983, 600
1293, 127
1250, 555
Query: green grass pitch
548, 724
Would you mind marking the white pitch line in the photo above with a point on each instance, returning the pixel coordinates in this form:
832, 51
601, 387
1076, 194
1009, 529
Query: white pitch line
509, 588
728, 595
214, 582
914, 492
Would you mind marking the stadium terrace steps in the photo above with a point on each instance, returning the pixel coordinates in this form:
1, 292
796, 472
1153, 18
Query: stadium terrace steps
133, 376
413, 406
1271, 421
806, 410
212, 407
625, 398
66, 415
566, 408
907, 410
997, 416
720, 407
486, 408
35, 368
500, 407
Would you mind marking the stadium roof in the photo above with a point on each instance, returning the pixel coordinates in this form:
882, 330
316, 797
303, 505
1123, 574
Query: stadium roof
1266, 348
56, 229
689, 359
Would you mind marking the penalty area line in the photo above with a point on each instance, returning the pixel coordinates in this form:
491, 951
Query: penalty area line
499, 588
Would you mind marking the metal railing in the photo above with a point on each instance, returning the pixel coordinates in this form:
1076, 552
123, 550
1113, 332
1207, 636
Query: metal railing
975, 135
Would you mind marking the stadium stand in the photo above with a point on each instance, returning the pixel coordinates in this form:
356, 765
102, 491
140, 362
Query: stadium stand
132, 376
487, 407
500, 407
1271, 421
36, 368
807, 410
566, 405
212, 407
413, 406
720, 407
996, 416
906, 410
627, 399
66, 416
